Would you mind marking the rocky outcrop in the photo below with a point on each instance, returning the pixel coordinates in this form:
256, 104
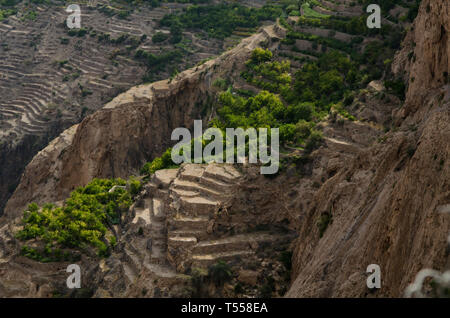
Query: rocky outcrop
16, 154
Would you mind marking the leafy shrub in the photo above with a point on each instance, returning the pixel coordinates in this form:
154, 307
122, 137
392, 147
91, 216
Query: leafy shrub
314, 141
348, 100
158, 62
77, 32
301, 111
286, 259
30, 253
112, 241
198, 279
123, 14
221, 83
83, 220
302, 130
6, 13
220, 273
266, 290
260, 55
238, 288
48, 254
396, 87
159, 163
134, 185
8, 3
311, 13
159, 37
315, 86
64, 41
287, 132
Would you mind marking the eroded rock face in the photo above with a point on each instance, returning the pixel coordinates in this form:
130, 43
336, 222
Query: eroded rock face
385, 202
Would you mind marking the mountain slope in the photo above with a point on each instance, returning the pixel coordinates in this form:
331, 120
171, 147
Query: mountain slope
369, 194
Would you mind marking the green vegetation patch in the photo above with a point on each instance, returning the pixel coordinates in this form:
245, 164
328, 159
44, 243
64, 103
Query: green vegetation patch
5, 13
159, 37
84, 219
157, 63
308, 12
219, 21
220, 273
159, 163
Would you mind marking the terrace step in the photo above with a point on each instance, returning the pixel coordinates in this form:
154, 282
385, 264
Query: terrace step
186, 233
185, 193
186, 241
198, 206
189, 223
192, 172
164, 177
195, 187
158, 212
204, 260
160, 270
233, 243
216, 184
225, 172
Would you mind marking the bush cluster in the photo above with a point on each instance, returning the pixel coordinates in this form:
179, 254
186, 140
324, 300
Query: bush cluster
84, 218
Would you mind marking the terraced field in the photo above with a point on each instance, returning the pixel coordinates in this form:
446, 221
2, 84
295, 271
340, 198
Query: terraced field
51, 77
46, 80
329, 69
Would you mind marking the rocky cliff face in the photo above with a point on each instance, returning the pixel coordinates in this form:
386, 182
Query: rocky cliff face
15, 155
424, 60
431, 58
388, 204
